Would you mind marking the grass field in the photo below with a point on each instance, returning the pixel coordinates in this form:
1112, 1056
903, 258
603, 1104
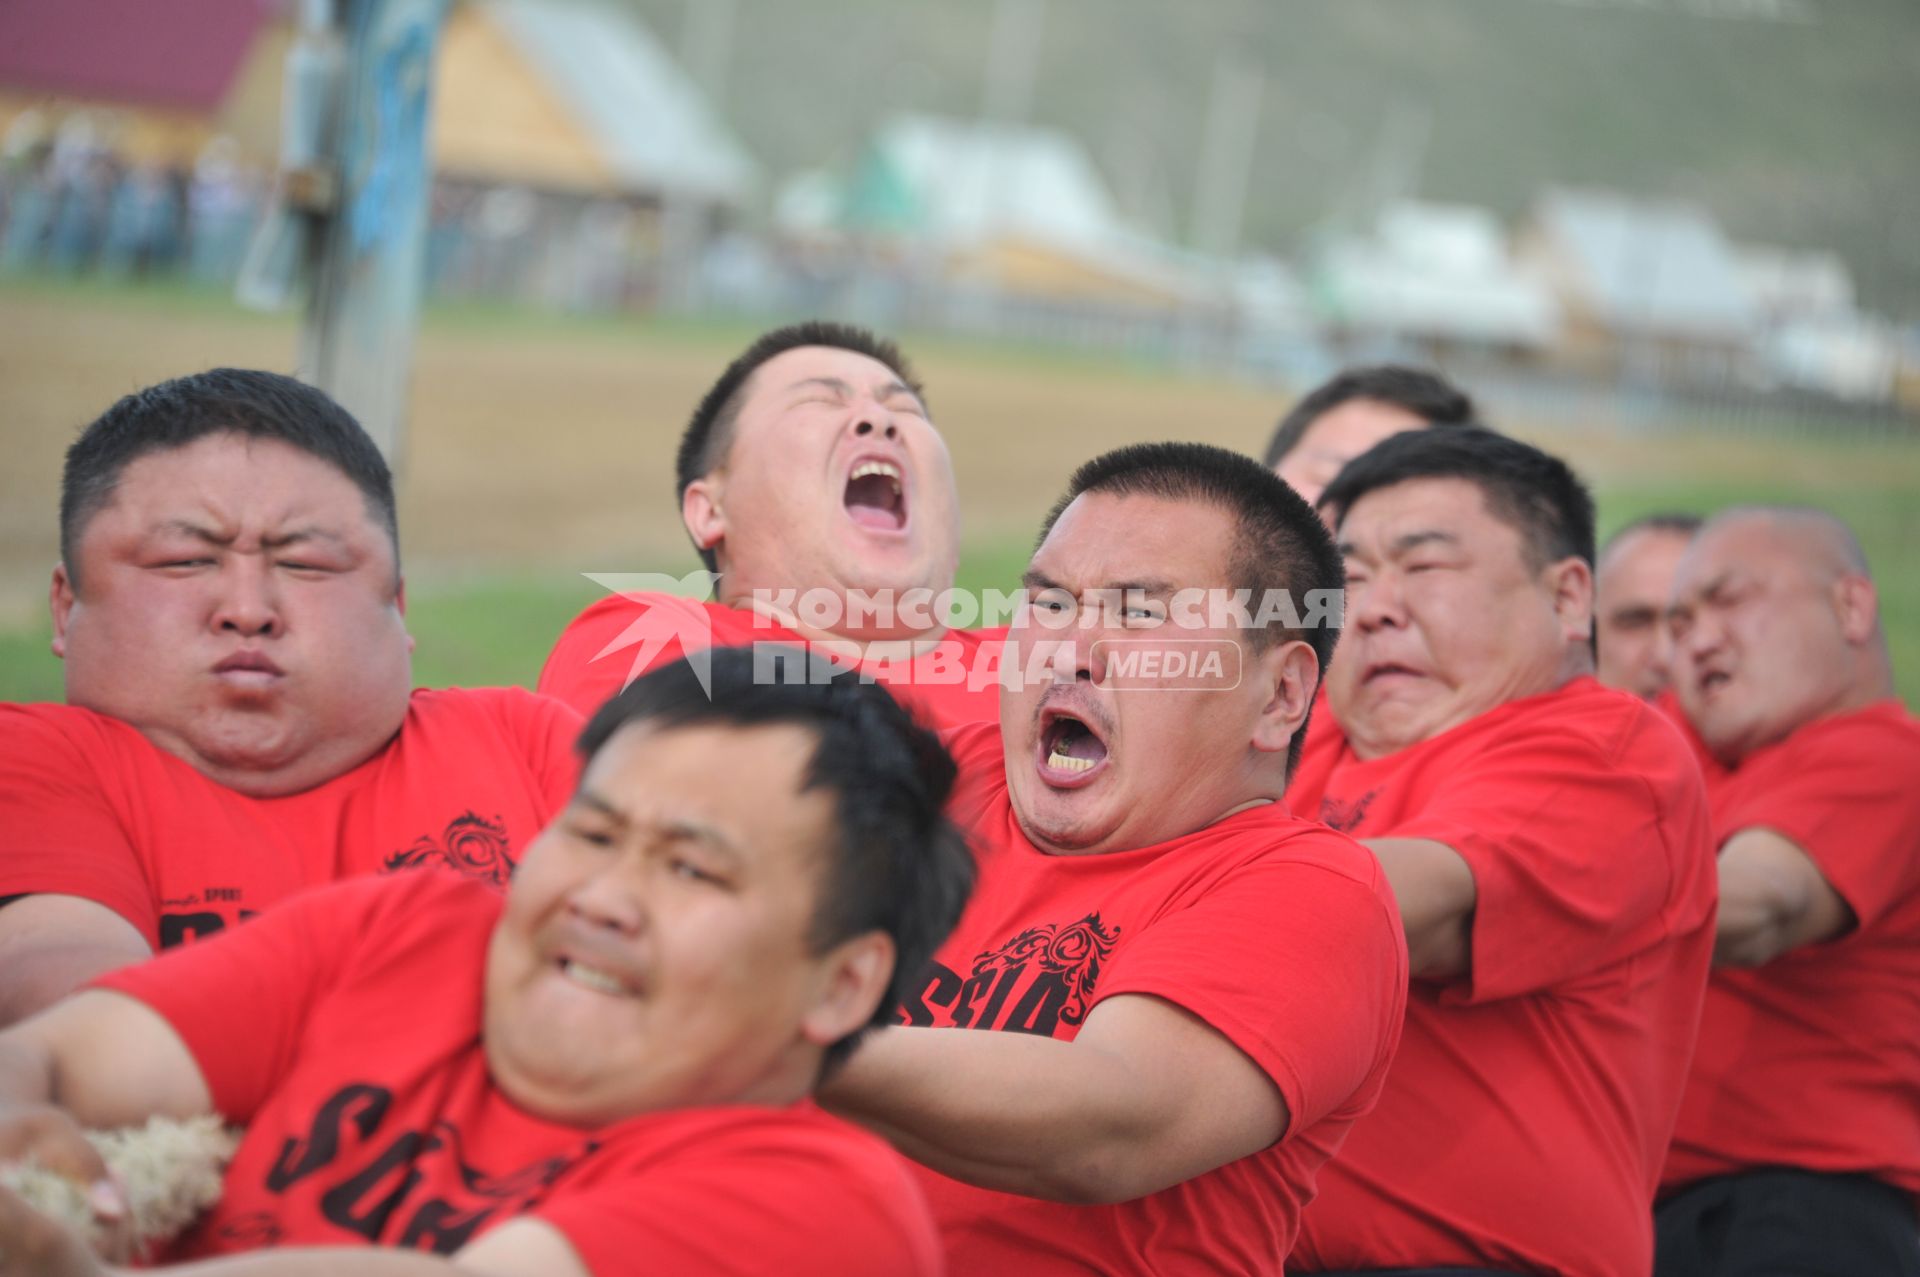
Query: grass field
541, 449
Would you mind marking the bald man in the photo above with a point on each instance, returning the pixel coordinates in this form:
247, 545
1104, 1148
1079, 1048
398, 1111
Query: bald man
1798, 1145
1631, 585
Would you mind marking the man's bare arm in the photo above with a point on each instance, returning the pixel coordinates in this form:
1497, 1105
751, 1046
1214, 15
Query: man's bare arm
1436, 893
31, 1245
106, 1059
50, 945
1146, 1096
1773, 898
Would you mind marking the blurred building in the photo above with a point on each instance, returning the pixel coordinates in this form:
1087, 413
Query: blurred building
1649, 290
999, 227
1812, 336
115, 130
575, 163
1432, 280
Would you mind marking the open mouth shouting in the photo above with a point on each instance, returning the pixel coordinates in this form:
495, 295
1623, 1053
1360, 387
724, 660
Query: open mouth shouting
1072, 751
876, 495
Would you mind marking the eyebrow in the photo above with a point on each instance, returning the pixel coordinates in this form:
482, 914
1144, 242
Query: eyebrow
842, 387
1717, 584
1406, 541
200, 532
689, 830
1034, 579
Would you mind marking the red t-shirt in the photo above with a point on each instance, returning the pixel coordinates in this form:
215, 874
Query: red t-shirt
89, 807
1813, 1060
343, 1029
621, 637
1528, 1112
1277, 933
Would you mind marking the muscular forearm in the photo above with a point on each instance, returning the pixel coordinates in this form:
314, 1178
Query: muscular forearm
1436, 893
36, 977
26, 1071
1772, 899
1754, 927
50, 945
1008, 1111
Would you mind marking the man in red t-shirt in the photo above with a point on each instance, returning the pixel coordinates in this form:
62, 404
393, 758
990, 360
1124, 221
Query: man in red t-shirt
1798, 1148
1631, 585
814, 484
1546, 840
239, 720
602, 1071
1188, 994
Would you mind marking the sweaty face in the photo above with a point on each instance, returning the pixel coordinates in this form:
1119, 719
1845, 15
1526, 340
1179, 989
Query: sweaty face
835, 479
1631, 591
1758, 644
1337, 437
1121, 732
237, 603
1446, 615
653, 953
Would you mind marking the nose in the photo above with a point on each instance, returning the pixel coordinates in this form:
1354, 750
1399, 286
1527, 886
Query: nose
867, 427
609, 898
249, 603
1374, 604
1701, 638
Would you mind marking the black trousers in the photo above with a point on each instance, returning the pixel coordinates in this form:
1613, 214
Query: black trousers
1420, 1272
1787, 1223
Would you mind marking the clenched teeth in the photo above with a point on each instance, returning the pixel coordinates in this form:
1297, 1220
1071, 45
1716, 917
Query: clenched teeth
1068, 763
593, 978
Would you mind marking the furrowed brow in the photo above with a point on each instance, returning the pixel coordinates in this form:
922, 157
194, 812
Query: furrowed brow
299, 535
187, 528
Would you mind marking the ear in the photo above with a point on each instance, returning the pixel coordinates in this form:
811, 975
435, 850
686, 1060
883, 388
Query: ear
400, 606
855, 975
1856, 605
60, 604
1570, 583
702, 513
1290, 674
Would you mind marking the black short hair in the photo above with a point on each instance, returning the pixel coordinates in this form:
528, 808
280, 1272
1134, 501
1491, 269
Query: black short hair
1422, 392
902, 867
173, 414
1531, 491
709, 432
1279, 543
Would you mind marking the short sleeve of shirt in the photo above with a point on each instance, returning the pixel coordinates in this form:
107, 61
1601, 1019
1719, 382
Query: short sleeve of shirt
618, 639
800, 1200
1849, 796
548, 729
240, 999
1573, 858
1300, 966
981, 762
59, 830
